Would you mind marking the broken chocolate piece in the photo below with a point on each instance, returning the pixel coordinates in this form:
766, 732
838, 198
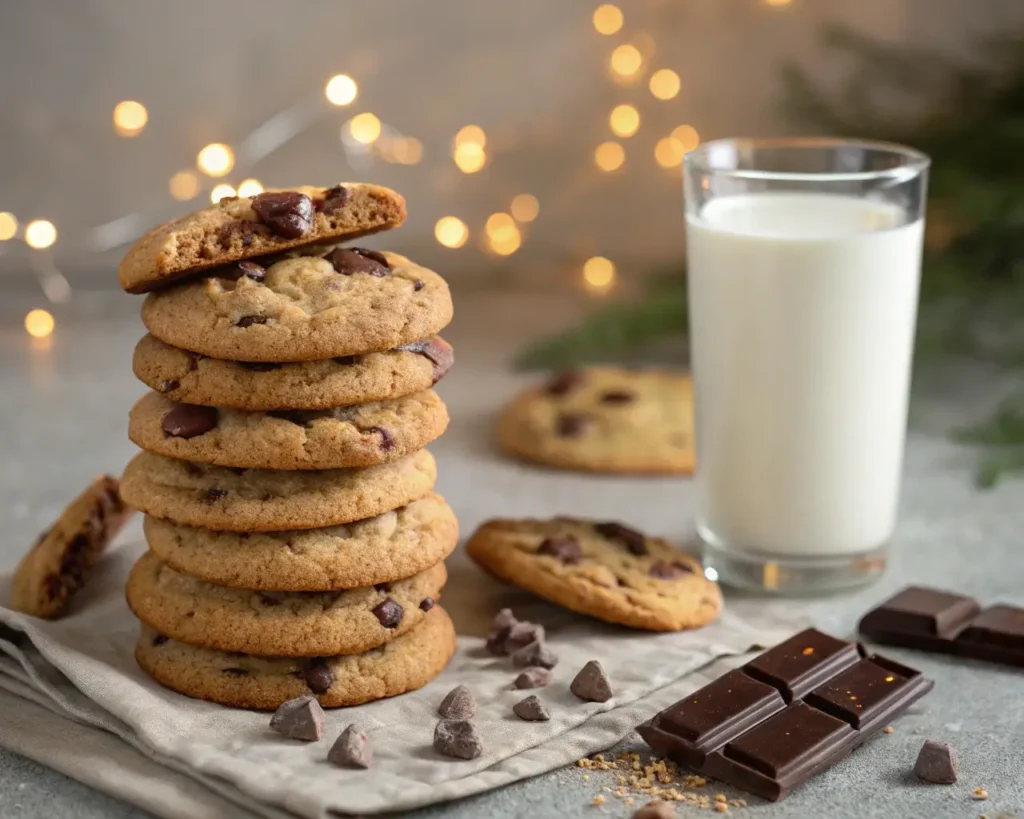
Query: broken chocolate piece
458, 704
458, 739
531, 709
521, 634
288, 213
591, 683
351, 750
936, 763
300, 718
535, 654
533, 677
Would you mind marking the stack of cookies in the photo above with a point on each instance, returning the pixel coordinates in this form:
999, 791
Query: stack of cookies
296, 543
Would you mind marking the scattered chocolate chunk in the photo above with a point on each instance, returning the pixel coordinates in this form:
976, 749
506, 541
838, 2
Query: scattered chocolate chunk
260, 366
657, 809
417, 285
564, 383
375, 255
170, 385
300, 718
318, 675
571, 425
387, 440
189, 421
634, 541
521, 634
669, 571
351, 750
349, 262
159, 640
503, 619
236, 270
458, 704
389, 613
288, 214
500, 628
249, 321
565, 548
617, 397
438, 351
235, 672
211, 495
936, 763
346, 360
535, 654
532, 710
591, 684
426, 604
458, 739
334, 198
533, 677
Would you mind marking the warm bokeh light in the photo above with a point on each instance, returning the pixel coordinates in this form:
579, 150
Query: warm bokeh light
777, 3
40, 234
687, 136
665, 84
8, 226
625, 120
598, 273
470, 157
184, 185
607, 18
216, 159
250, 187
471, 135
609, 156
668, 152
451, 231
221, 192
341, 89
39, 323
364, 128
130, 118
407, 151
626, 60
524, 207
505, 239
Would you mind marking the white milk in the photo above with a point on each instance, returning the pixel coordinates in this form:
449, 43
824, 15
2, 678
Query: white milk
802, 311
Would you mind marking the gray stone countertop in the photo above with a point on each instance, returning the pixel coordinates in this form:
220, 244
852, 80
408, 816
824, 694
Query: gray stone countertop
63, 414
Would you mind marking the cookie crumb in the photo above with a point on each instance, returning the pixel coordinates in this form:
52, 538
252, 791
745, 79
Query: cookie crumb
598, 800
980, 794
889, 729
721, 807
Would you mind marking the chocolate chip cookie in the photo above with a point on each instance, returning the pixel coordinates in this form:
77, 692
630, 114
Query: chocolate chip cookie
380, 549
240, 228
286, 624
360, 435
606, 570
303, 308
604, 419
243, 681
335, 382
265, 500
59, 563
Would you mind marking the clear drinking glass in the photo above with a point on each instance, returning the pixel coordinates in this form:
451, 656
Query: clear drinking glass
804, 258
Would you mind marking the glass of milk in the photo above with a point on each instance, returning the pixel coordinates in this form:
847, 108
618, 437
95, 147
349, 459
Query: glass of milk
804, 257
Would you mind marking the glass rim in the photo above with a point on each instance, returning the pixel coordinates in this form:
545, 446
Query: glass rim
914, 162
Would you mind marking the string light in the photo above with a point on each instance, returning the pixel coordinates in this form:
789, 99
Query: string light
451, 231
39, 323
607, 19
40, 234
130, 118
250, 187
626, 60
524, 207
598, 273
625, 120
221, 192
470, 157
341, 89
687, 136
503, 235
609, 156
406, 151
668, 152
184, 185
365, 128
8, 226
665, 84
216, 159
471, 135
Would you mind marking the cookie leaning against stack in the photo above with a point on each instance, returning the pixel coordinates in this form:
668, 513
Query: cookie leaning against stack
296, 543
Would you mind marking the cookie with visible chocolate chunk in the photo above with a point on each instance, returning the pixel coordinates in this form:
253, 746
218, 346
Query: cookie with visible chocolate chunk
604, 419
605, 569
358, 435
276, 623
244, 681
59, 563
241, 228
334, 382
306, 307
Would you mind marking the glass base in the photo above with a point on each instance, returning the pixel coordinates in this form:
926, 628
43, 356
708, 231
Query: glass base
791, 574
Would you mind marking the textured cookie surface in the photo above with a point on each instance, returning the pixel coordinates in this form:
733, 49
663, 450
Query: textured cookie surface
359, 435
197, 379
244, 228
387, 547
303, 308
58, 565
606, 570
264, 500
403, 664
287, 624
604, 419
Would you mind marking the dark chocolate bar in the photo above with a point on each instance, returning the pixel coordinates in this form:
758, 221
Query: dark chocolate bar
786, 715
947, 623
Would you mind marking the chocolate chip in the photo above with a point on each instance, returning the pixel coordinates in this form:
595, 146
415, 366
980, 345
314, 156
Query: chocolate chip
351, 750
334, 198
564, 383
249, 321
376, 255
591, 683
417, 285
318, 675
236, 270
617, 397
634, 541
189, 421
288, 214
426, 604
346, 360
170, 385
211, 495
439, 352
936, 763
267, 600
502, 624
571, 425
389, 613
300, 718
535, 654
531, 709
565, 548
159, 640
387, 440
521, 634
669, 571
458, 739
458, 704
533, 677
349, 262
235, 672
